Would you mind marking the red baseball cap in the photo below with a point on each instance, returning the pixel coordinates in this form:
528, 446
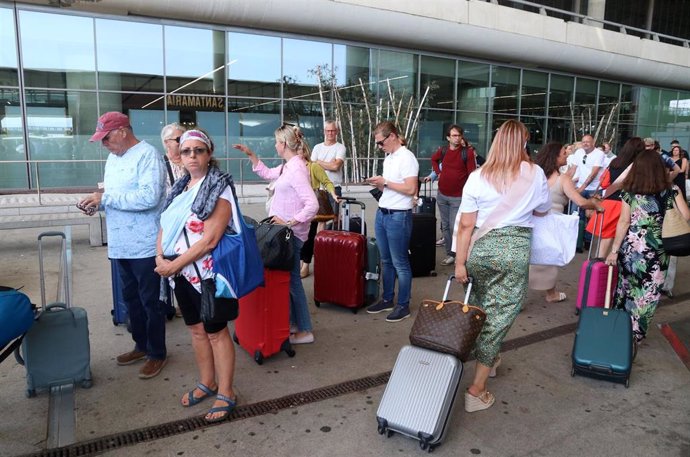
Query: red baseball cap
108, 122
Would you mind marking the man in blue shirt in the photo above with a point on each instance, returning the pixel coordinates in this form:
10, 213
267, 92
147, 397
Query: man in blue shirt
133, 197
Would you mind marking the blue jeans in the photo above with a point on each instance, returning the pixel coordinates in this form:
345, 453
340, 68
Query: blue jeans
393, 233
581, 212
448, 209
299, 310
140, 292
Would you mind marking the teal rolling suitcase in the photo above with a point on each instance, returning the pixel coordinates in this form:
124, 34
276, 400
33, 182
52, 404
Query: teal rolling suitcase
56, 348
603, 346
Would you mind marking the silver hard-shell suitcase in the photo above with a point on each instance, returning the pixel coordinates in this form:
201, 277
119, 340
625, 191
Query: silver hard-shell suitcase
420, 395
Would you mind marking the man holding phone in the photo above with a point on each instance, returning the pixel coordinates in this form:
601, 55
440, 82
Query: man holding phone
453, 164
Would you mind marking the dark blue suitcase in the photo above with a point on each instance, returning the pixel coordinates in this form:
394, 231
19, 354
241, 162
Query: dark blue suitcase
119, 311
603, 346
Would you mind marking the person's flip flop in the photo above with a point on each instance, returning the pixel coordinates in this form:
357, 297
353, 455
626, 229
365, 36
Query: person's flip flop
221, 409
561, 297
192, 400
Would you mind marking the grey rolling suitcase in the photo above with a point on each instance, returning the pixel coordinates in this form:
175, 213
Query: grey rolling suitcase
56, 349
419, 397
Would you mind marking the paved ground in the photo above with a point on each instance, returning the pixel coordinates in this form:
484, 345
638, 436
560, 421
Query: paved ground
540, 411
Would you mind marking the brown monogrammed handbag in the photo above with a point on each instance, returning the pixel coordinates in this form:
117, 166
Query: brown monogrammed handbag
448, 326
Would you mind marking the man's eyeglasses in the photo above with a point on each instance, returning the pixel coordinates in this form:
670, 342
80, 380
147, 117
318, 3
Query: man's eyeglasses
176, 140
380, 143
196, 151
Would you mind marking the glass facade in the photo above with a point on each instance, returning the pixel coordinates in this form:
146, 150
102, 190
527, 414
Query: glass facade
61, 70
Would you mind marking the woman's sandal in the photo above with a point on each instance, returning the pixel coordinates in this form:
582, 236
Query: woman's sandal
561, 297
221, 409
192, 400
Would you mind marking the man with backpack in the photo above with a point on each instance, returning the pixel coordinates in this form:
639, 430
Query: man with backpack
458, 159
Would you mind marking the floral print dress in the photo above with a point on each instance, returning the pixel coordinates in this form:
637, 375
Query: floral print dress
642, 261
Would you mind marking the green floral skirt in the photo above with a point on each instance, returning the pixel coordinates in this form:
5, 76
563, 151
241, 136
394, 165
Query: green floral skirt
499, 267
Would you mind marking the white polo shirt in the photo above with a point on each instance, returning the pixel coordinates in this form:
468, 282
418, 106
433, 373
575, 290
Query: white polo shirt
585, 162
397, 166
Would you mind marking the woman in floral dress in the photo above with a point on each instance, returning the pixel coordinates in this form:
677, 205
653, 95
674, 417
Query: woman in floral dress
637, 248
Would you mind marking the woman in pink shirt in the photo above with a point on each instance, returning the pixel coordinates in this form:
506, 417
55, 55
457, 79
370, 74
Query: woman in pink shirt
294, 204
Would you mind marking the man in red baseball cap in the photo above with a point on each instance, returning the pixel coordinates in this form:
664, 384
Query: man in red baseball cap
133, 197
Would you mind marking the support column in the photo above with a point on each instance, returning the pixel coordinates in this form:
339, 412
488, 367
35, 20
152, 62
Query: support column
596, 9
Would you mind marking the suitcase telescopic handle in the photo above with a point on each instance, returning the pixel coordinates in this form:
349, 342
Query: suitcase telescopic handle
468, 288
609, 280
55, 233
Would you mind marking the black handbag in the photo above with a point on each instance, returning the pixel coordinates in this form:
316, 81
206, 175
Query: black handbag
275, 245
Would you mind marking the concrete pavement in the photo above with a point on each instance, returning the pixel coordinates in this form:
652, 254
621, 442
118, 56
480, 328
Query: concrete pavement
540, 410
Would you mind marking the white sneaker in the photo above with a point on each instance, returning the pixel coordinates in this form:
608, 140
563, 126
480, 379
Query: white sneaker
448, 261
441, 241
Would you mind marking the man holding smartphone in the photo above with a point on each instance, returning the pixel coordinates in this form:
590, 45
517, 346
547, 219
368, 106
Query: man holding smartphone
453, 164
132, 198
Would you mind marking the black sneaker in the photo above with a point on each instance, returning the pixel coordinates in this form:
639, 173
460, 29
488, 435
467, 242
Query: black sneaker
380, 307
399, 313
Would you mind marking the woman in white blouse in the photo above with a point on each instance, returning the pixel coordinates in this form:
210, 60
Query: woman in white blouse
500, 199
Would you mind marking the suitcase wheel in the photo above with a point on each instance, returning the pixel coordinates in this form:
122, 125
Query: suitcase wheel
577, 311
432, 273
234, 338
114, 321
317, 303
572, 372
258, 357
627, 383
354, 310
87, 383
287, 347
30, 393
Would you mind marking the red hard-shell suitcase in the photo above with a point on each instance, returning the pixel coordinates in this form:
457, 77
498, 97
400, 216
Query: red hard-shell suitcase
591, 290
340, 264
262, 327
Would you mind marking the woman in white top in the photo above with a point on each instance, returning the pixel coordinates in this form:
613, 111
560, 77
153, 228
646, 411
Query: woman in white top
499, 198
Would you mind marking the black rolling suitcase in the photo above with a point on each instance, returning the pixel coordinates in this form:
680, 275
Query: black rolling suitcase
56, 348
427, 203
423, 245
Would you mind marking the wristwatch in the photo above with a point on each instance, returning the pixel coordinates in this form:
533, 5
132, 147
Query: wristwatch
385, 183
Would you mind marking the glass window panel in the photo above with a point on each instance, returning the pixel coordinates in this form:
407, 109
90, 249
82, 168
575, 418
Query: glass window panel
533, 95
352, 64
477, 130
130, 56
585, 109
681, 109
473, 87
506, 84
59, 125
608, 95
57, 50
560, 130
536, 127
12, 175
439, 75
667, 116
252, 122
561, 96
628, 109
648, 106
8, 50
300, 61
253, 65
399, 70
146, 113
431, 135
202, 69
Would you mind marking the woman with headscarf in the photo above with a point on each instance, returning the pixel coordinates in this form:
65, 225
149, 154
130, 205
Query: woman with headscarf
198, 210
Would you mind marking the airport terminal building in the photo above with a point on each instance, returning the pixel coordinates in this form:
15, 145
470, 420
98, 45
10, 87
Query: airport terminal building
239, 68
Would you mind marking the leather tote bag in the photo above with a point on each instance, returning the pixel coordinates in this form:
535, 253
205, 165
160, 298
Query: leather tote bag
325, 212
675, 232
448, 326
275, 245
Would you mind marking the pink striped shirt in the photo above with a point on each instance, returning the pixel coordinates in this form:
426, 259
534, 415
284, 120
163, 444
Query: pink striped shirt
294, 198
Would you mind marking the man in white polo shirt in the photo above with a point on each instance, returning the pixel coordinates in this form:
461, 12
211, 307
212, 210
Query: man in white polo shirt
331, 155
590, 166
